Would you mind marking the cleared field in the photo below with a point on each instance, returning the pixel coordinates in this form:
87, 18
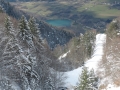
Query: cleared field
102, 8
45, 9
101, 11
36, 8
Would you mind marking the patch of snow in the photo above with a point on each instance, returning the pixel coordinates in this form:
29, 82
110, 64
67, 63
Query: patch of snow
114, 21
98, 52
112, 87
64, 55
73, 76
118, 33
15, 86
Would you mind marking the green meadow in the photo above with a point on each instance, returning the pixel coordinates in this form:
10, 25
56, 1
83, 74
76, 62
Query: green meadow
45, 9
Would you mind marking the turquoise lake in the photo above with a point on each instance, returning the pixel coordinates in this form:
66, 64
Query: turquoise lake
60, 22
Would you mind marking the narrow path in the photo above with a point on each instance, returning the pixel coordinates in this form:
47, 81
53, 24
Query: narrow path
97, 53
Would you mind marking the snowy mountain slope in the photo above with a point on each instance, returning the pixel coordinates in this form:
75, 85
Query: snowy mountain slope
91, 63
24, 58
112, 87
97, 53
54, 36
109, 68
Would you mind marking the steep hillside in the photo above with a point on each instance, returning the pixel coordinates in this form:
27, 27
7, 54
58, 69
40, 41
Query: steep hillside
91, 64
11, 10
54, 36
25, 60
109, 67
84, 14
75, 53
35, 55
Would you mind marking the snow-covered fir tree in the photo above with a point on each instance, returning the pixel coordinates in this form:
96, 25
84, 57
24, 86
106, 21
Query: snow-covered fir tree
24, 29
24, 62
34, 28
88, 42
9, 26
8, 54
93, 80
87, 80
25, 32
83, 84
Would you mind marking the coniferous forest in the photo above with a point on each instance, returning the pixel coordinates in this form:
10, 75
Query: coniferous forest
36, 55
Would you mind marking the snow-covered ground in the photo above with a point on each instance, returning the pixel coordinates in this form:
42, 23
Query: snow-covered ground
64, 55
72, 76
97, 53
112, 87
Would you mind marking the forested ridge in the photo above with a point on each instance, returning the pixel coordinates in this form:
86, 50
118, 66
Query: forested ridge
38, 56
25, 60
